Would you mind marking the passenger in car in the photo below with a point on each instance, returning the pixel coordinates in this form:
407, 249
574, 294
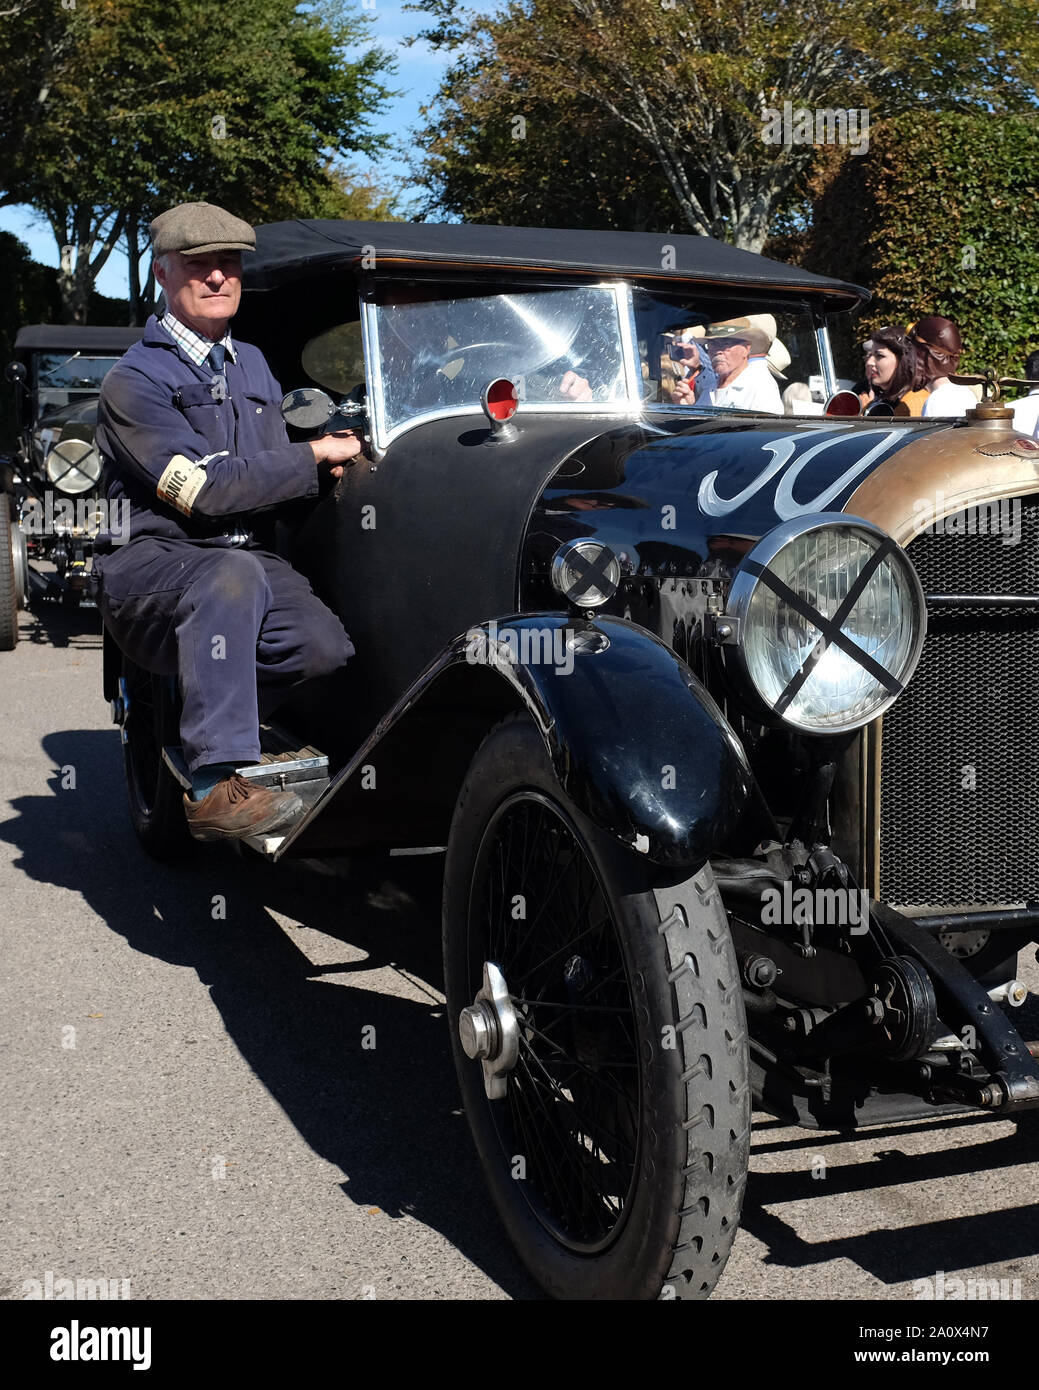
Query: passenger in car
939, 347
894, 384
736, 374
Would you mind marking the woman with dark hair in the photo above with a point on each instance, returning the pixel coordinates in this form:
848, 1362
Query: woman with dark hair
892, 375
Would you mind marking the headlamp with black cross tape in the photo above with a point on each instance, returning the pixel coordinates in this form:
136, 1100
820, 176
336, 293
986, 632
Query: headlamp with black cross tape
824, 622
585, 572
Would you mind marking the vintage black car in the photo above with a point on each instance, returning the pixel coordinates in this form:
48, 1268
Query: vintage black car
723, 721
49, 500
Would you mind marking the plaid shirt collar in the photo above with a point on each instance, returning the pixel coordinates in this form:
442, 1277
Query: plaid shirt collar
192, 344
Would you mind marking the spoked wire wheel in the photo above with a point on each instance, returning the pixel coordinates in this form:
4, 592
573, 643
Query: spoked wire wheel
570, 1115
599, 1037
10, 575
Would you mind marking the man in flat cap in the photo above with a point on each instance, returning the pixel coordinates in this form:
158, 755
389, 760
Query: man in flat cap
192, 438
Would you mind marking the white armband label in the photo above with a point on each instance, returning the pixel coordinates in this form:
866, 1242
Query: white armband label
182, 480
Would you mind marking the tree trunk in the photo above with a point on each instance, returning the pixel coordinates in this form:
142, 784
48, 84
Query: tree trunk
149, 298
77, 235
133, 257
76, 246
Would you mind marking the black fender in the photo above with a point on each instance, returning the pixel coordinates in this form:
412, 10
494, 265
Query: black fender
636, 741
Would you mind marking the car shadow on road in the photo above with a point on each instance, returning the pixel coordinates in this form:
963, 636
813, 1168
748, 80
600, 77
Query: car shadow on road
48, 624
388, 1116
897, 1254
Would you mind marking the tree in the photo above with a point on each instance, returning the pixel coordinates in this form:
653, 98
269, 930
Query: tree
939, 218
34, 49
357, 197
498, 153
699, 89
144, 110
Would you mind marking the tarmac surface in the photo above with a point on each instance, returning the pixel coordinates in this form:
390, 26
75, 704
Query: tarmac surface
193, 1102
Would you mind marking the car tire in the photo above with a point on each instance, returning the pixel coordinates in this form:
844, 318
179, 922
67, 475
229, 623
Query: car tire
8, 578
154, 796
643, 1092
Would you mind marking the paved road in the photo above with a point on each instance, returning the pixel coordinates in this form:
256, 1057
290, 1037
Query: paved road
189, 1104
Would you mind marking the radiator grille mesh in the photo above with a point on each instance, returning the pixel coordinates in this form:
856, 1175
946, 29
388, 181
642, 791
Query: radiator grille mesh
960, 759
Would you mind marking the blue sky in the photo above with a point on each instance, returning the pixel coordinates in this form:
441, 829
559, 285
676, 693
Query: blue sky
418, 75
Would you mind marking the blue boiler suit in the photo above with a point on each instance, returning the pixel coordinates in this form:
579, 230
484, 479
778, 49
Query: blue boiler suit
237, 624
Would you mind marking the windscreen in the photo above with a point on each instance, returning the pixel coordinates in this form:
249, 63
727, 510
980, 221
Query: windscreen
62, 378
560, 347
731, 354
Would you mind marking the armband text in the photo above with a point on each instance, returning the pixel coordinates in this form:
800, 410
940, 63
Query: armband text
181, 482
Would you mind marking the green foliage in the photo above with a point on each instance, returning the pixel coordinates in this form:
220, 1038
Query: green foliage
939, 218
500, 154
356, 197
125, 107
671, 95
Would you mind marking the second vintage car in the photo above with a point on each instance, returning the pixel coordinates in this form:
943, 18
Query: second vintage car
708, 710
49, 500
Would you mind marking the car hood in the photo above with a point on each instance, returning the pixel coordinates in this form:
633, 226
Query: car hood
664, 497
81, 414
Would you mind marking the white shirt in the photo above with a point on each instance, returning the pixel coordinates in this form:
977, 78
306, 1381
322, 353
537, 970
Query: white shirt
754, 389
949, 402
1026, 415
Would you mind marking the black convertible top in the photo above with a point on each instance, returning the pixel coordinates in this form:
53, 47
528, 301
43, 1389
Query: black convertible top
286, 251
57, 337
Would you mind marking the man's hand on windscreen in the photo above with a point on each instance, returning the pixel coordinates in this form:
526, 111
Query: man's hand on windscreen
335, 450
577, 388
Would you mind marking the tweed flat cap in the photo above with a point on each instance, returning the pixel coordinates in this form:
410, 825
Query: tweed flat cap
197, 228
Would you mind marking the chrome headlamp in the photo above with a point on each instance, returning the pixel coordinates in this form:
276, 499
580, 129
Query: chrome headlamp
586, 573
73, 466
825, 622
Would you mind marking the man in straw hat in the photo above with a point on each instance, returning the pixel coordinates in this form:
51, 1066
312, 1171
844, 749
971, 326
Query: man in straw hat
738, 376
191, 436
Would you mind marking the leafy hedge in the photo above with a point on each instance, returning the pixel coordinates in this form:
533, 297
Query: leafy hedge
940, 217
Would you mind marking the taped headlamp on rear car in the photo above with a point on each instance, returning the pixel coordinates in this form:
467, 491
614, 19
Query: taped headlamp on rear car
825, 622
73, 466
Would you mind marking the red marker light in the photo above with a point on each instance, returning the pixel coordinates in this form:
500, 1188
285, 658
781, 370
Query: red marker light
843, 403
500, 400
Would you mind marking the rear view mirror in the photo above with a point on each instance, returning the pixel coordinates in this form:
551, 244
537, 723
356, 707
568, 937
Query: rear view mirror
15, 371
307, 408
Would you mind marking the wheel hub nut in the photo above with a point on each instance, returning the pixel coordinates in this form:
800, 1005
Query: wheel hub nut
488, 1030
479, 1032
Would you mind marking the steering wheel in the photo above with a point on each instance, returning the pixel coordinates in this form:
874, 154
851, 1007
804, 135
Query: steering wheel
453, 353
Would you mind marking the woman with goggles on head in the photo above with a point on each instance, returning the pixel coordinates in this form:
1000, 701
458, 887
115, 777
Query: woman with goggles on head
938, 347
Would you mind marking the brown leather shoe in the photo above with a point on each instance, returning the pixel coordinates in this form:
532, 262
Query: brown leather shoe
236, 807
